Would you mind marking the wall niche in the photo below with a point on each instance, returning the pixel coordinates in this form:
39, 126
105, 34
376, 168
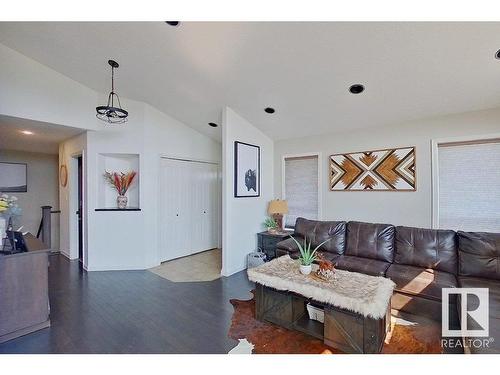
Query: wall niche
107, 194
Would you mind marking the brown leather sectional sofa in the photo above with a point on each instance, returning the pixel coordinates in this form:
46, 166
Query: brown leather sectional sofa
420, 262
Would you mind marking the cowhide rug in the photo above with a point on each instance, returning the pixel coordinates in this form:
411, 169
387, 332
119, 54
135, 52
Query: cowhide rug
412, 335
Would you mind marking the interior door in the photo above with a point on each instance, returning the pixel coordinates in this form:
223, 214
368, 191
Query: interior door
173, 242
206, 207
79, 213
197, 200
189, 208
211, 212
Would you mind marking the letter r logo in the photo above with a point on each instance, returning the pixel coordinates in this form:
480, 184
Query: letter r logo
473, 308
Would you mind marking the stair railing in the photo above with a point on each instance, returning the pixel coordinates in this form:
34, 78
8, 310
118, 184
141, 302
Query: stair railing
45, 228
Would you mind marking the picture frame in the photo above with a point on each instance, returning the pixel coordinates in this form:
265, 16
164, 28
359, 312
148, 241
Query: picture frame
13, 177
390, 169
246, 170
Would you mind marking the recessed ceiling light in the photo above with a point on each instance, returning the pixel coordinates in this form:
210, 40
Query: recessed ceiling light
27, 132
213, 124
356, 88
497, 55
269, 110
173, 23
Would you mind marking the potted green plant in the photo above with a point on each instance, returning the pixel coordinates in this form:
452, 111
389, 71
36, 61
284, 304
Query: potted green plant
307, 256
271, 225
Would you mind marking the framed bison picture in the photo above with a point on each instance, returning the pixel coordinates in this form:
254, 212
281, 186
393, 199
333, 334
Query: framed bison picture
246, 170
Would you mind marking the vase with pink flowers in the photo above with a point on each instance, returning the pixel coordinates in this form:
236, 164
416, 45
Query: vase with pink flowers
121, 182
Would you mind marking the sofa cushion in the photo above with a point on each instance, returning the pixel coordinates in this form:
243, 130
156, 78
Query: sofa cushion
281, 252
479, 254
494, 345
421, 306
319, 231
427, 248
375, 241
494, 291
304, 228
289, 244
424, 282
363, 265
334, 232
327, 255
494, 310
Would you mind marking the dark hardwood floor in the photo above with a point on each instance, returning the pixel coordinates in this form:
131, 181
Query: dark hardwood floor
133, 312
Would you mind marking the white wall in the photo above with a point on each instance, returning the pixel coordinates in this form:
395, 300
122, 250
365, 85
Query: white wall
400, 208
166, 136
129, 240
42, 190
113, 240
242, 217
33, 91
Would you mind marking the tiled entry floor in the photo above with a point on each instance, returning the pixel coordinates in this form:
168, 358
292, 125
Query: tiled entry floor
205, 266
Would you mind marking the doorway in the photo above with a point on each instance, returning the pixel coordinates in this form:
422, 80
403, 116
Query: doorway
189, 222
79, 212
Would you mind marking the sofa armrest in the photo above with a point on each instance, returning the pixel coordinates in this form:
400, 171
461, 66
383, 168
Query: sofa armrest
289, 244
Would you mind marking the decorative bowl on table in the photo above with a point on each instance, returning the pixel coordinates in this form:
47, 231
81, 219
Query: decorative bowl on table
325, 275
326, 269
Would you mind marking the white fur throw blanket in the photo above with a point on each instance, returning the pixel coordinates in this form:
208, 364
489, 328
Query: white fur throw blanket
363, 294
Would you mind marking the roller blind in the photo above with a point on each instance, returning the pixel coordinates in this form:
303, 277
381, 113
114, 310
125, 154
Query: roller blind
301, 188
469, 186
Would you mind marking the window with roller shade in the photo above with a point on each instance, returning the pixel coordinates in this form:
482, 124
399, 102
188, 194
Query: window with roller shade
301, 188
469, 186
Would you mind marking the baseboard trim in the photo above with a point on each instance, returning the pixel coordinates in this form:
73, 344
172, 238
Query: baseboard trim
65, 254
227, 273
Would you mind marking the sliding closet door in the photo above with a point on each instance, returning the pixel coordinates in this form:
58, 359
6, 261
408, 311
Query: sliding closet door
212, 217
175, 210
204, 200
197, 193
189, 208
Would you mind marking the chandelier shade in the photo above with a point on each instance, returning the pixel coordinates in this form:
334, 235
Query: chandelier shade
112, 113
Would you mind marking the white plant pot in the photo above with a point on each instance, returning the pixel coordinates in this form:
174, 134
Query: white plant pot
305, 270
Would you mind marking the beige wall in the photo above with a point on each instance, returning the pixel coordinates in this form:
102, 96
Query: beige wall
42, 190
401, 208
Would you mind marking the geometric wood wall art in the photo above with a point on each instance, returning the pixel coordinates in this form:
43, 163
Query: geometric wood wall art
380, 170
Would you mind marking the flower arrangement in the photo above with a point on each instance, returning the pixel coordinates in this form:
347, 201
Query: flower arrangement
120, 181
8, 205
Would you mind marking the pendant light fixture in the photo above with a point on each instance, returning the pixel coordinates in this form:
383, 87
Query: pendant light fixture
109, 113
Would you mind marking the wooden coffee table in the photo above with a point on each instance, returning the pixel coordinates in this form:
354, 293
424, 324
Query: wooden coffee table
345, 330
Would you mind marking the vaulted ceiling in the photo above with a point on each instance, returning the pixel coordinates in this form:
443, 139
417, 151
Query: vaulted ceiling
302, 69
